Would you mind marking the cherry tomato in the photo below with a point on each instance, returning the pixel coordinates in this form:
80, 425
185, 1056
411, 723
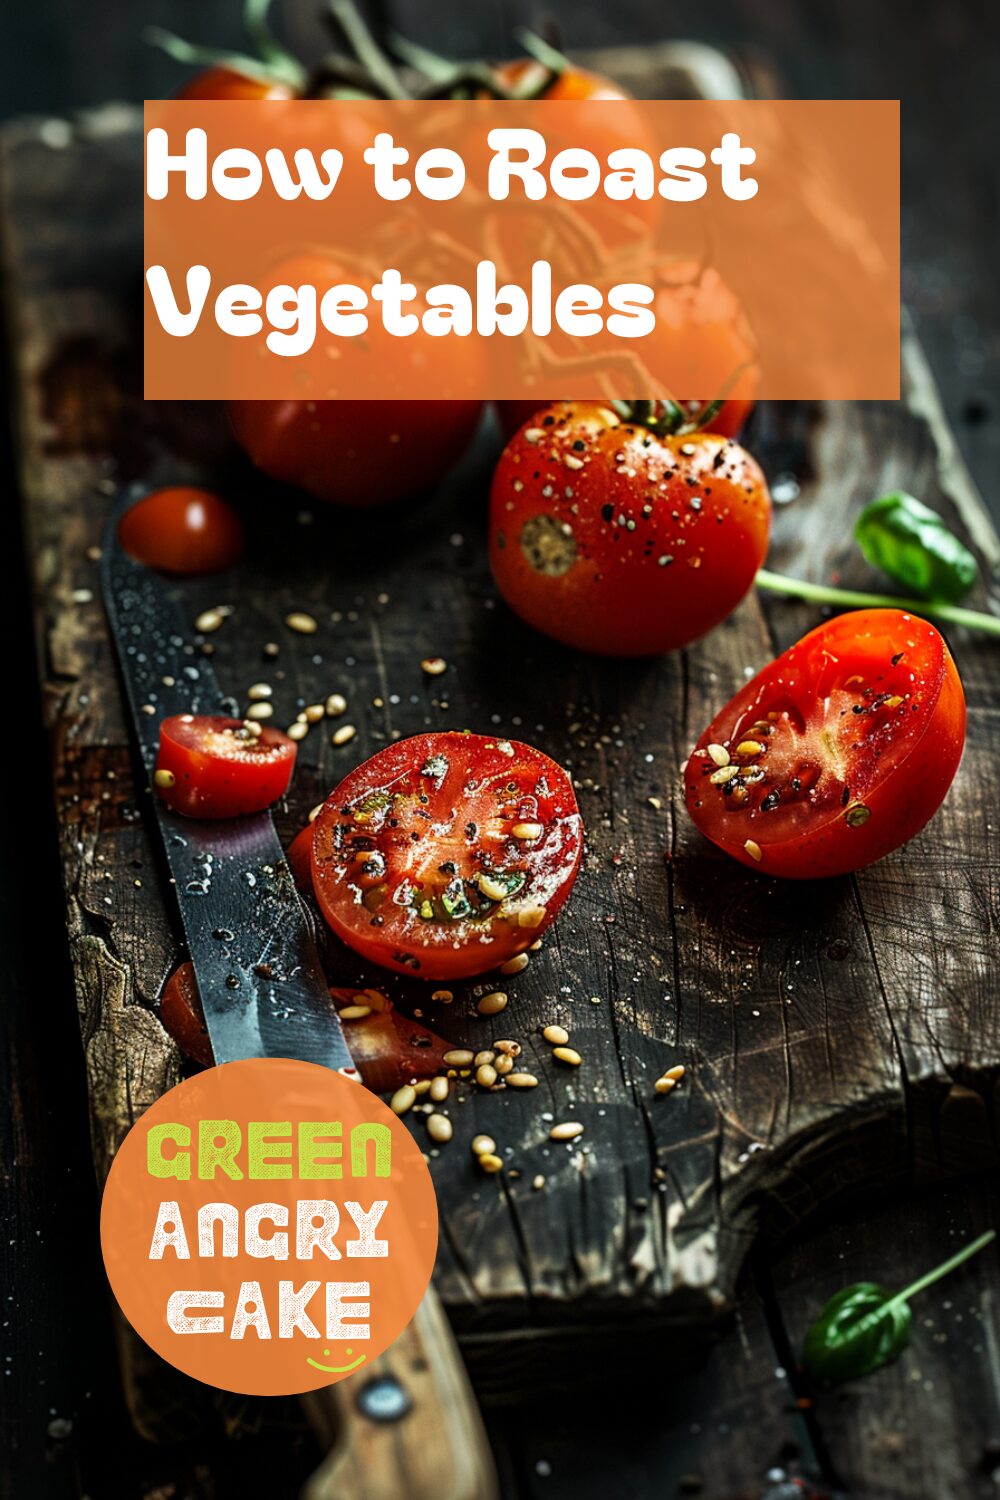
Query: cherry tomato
836, 753
183, 531
447, 854
232, 83
183, 1017
616, 541
356, 453
221, 768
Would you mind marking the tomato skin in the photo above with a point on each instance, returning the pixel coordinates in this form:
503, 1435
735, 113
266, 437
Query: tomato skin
229, 83
185, 531
881, 688
299, 856
182, 1015
218, 770
729, 420
355, 453
419, 826
620, 543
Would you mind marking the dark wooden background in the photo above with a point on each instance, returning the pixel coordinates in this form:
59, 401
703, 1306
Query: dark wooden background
930, 1426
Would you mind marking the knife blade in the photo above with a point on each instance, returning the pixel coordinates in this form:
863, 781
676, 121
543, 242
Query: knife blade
261, 984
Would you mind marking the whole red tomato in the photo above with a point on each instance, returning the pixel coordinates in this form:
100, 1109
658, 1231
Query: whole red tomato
231, 83
184, 531
616, 540
836, 753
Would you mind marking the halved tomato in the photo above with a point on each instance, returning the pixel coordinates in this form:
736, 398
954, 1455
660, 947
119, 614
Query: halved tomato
447, 854
836, 753
183, 1017
212, 767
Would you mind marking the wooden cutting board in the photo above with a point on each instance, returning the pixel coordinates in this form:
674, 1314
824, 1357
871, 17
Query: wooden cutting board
835, 1035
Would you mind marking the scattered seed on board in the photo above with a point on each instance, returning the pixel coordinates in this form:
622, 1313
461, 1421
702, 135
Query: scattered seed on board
271, 649
439, 1128
209, 620
557, 1035
458, 1058
522, 1080
313, 712
754, 850
483, 1145
439, 1090
538, 1182
486, 1075
343, 735
336, 704
433, 665
567, 1055
164, 779
515, 965
489, 1163
354, 1012
566, 1132
258, 691
403, 1099
509, 1049
504, 1065
301, 623
443, 997
664, 1085
297, 731
262, 710
492, 1004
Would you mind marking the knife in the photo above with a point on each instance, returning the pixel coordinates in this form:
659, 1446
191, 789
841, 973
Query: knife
412, 1426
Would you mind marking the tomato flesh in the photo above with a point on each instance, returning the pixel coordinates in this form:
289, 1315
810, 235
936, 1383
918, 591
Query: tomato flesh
183, 1017
619, 542
837, 753
447, 854
213, 767
184, 531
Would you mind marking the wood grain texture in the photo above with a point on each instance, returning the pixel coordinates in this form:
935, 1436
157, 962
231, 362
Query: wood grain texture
834, 1034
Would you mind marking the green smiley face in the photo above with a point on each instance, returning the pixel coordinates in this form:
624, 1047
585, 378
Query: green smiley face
337, 1369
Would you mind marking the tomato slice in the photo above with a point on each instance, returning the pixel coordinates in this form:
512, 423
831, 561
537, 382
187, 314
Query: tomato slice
447, 854
836, 753
183, 1017
210, 767
183, 531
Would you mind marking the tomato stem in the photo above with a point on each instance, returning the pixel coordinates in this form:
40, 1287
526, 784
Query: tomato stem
365, 48
818, 593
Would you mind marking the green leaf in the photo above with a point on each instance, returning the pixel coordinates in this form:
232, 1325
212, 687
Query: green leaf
864, 1327
911, 543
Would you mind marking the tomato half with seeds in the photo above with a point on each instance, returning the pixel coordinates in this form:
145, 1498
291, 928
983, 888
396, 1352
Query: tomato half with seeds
189, 532
447, 854
835, 754
212, 767
616, 540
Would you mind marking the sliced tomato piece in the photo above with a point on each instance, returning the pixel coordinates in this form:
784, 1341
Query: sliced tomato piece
836, 753
184, 531
447, 854
212, 767
183, 1017
299, 856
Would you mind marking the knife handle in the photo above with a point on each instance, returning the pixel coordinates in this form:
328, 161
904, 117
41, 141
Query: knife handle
409, 1426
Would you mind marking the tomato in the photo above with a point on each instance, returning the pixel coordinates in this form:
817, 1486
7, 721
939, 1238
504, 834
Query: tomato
728, 420
183, 1017
356, 453
221, 768
836, 753
617, 541
447, 854
299, 856
572, 83
231, 83
184, 531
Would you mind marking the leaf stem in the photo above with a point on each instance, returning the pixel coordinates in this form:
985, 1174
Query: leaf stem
943, 1270
818, 593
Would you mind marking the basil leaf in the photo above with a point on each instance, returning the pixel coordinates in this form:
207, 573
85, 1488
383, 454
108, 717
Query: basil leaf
864, 1327
911, 543
860, 1329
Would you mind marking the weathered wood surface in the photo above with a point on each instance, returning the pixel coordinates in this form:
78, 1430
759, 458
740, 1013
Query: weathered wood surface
834, 1034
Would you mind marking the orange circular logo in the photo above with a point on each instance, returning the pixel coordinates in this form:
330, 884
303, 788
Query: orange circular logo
269, 1226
